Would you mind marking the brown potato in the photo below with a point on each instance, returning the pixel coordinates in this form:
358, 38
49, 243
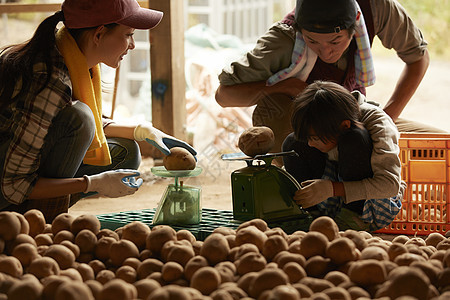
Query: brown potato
251, 234
250, 262
149, 266
294, 271
180, 252
215, 248
193, 265
184, 234
325, 225
62, 222
145, 287
11, 265
127, 274
51, 284
25, 253
158, 236
313, 243
206, 280
121, 250
28, 288
87, 221
36, 220
9, 226
317, 266
63, 235
86, 271
367, 272
105, 276
43, 239
86, 240
62, 255
273, 245
73, 290
171, 271
256, 140
341, 250
43, 266
107, 232
24, 226
179, 159
267, 279
136, 232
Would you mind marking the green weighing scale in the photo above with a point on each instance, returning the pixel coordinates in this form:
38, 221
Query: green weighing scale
262, 190
180, 204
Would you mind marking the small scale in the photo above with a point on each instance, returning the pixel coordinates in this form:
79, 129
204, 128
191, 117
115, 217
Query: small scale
180, 204
262, 190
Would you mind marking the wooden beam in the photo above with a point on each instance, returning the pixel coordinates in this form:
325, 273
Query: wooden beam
167, 69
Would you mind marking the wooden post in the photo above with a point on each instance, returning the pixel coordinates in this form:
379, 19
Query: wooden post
167, 69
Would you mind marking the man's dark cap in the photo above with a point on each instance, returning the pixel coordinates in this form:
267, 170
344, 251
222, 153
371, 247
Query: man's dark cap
325, 16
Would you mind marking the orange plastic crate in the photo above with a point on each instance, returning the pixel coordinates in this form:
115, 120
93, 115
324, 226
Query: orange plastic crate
426, 170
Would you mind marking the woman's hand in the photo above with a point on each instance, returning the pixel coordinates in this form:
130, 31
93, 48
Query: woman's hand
313, 192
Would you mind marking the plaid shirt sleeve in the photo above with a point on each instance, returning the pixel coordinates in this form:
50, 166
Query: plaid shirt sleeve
32, 116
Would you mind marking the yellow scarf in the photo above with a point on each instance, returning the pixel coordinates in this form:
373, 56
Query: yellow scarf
87, 90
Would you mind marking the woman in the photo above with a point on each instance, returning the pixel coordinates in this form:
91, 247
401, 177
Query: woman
347, 163
54, 142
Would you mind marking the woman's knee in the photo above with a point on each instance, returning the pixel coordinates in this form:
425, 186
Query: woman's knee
125, 153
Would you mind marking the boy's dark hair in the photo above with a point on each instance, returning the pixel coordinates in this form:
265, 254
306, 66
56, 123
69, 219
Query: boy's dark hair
322, 107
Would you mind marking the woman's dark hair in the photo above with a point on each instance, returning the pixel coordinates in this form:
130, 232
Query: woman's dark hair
17, 60
322, 107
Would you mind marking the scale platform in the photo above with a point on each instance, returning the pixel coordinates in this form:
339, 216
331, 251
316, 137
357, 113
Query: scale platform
180, 204
262, 190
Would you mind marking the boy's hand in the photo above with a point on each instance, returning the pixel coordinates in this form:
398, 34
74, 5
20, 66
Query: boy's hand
313, 192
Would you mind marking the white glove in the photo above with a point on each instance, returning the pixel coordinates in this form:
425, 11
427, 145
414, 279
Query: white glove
115, 183
162, 141
313, 192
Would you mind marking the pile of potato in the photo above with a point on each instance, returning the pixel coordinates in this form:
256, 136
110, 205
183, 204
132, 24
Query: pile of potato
73, 258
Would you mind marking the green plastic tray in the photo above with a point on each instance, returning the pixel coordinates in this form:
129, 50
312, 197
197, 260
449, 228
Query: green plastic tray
211, 219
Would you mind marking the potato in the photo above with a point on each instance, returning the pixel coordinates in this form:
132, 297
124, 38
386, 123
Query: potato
62, 221
267, 279
294, 271
97, 266
250, 262
43, 239
336, 277
273, 245
313, 243
158, 236
74, 248
374, 252
193, 265
145, 287
21, 238
317, 266
105, 276
107, 232
287, 292
258, 223
148, 266
185, 234
179, 159
63, 235
215, 248
206, 280
284, 257
367, 272
72, 274
62, 255
73, 290
171, 271
11, 265
170, 292
251, 234
43, 266
87, 221
256, 140
24, 226
9, 226
86, 271
136, 232
127, 274
29, 288
95, 287
86, 240
180, 252
25, 253
405, 281
325, 225
121, 250
36, 220
356, 237
51, 284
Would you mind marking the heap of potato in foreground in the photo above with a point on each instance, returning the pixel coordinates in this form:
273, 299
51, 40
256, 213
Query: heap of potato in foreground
73, 258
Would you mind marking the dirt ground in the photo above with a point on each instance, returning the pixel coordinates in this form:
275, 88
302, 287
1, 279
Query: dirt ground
429, 105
